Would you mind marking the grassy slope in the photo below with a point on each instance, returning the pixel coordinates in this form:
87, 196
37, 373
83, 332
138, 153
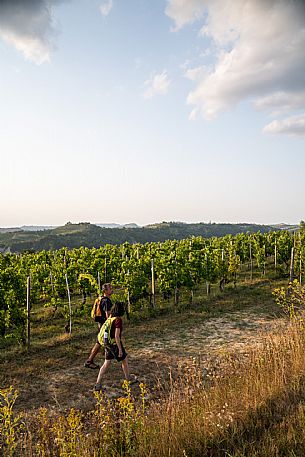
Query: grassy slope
52, 373
243, 396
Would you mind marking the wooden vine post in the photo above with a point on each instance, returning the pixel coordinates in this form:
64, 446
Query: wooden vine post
153, 294
70, 308
99, 282
52, 283
128, 296
222, 279
208, 287
235, 268
192, 291
251, 262
28, 312
291, 270
300, 263
176, 285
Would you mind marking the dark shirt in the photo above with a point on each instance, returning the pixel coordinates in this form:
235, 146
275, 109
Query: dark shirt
117, 323
106, 304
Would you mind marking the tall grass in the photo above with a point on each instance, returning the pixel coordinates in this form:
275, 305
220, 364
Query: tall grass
256, 409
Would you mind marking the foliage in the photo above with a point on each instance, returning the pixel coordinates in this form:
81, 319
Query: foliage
113, 427
177, 264
292, 300
10, 423
12, 298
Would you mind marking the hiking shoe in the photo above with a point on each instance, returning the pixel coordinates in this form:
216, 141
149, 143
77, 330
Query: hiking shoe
99, 388
133, 379
92, 365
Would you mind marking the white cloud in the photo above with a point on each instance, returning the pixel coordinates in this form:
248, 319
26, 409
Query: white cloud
294, 125
282, 101
184, 11
260, 53
106, 7
28, 26
195, 74
157, 85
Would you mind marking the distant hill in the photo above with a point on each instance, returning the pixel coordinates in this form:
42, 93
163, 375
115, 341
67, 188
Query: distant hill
27, 228
90, 235
10, 229
38, 228
290, 228
118, 225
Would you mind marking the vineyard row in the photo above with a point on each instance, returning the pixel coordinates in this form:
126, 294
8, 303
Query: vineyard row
137, 268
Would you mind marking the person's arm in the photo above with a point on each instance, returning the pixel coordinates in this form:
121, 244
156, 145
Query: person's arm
117, 336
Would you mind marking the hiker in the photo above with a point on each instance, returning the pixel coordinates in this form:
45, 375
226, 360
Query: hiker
110, 337
100, 312
102, 305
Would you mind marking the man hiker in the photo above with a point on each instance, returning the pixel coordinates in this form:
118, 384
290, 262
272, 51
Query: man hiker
101, 311
110, 338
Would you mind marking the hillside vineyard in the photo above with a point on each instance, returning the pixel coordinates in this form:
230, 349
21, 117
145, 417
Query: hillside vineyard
138, 270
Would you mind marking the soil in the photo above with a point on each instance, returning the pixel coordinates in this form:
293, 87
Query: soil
52, 375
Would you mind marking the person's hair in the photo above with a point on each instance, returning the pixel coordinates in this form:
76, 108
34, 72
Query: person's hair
118, 309
106, 286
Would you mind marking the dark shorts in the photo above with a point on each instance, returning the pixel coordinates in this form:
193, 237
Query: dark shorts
112, 353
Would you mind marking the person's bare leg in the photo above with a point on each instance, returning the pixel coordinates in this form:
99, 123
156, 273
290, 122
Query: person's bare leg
125, 368
102, 371
94, 352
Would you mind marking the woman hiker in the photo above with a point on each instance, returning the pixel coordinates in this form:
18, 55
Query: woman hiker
114, 349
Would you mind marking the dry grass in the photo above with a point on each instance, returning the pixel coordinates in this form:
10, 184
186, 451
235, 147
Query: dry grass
237, 388
259, 410
52, 375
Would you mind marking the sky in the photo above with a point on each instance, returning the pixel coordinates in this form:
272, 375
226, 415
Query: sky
152, 110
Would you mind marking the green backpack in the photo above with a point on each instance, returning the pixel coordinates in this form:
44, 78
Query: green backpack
104, 337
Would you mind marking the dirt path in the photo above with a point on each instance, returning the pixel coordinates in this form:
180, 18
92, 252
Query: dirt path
56, 378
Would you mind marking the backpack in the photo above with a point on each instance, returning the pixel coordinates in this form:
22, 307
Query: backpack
104, 337
97, 309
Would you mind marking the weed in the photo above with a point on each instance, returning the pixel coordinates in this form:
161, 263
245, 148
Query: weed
292, 300
104, 424
67, 433
44, 439
10, 424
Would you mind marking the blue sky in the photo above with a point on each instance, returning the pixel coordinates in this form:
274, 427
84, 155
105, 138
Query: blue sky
143, 111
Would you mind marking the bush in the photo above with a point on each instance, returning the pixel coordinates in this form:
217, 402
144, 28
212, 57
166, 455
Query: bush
292, 300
